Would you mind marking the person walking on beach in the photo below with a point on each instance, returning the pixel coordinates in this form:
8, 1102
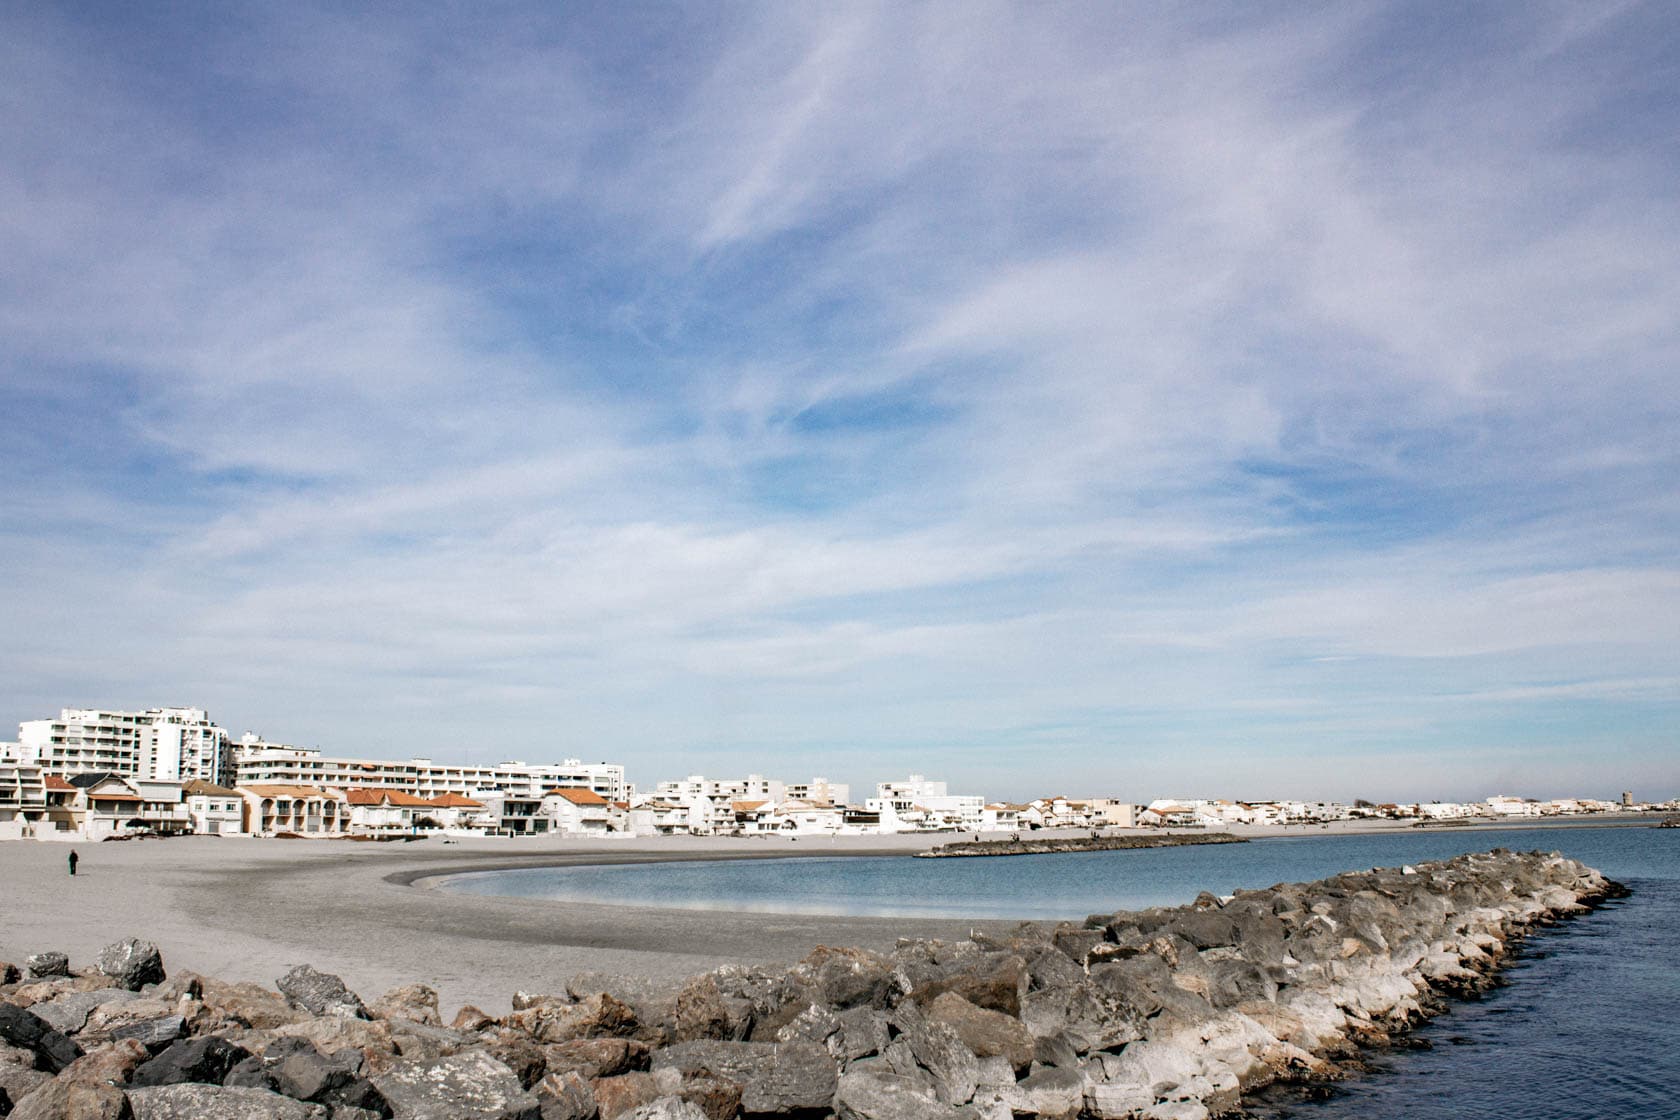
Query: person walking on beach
74, 860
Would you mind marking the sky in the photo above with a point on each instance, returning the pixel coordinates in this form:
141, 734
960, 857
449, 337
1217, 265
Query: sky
1098, 399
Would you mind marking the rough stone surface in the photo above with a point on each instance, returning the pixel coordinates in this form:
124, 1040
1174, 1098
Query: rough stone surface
204, 1060
320, 993
41, 966
52, 1049
416, 1003
987, 1033
69, 1012
467, 1086
870, 1094
566, 1096
132, 963
215, 1102
775, 1077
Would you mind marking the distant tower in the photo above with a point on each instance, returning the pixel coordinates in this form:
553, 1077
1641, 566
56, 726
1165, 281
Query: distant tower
1627, 799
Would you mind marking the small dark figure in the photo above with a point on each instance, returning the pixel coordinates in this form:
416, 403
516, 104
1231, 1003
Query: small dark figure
74, 860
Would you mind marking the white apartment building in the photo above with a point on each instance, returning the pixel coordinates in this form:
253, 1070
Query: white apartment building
158, 744
917, 804
258, 761
23, 800
819, 790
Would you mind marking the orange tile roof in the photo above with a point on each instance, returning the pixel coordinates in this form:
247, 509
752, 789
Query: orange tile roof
747, 806
199, 788
455, 801
578, 796
285, 791
386, 796
53, 781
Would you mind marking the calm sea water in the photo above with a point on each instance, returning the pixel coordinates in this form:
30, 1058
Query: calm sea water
1587, 1026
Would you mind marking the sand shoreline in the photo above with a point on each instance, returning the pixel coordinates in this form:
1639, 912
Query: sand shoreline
246, 909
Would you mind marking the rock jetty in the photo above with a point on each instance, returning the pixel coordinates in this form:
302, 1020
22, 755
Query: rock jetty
966, 848
1169, 1014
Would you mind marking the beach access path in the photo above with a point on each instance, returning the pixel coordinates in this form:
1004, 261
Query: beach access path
239, 908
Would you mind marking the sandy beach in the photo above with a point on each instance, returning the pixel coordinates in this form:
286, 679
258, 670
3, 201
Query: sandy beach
246, 909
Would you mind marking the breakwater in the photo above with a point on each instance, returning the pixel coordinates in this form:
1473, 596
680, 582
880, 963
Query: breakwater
1156, 1013
970, 848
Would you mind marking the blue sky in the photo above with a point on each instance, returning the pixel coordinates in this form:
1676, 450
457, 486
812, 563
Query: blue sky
1133, 400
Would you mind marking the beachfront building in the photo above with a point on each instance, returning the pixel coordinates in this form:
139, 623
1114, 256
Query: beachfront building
1501, 805
577, 812
274, 809
514, 814
214, 810
23, 800
668, 818
259, 761
754, 818
158, 744
457, 813
1106, 812
385, 812
820, 789
1001, 816
919, 805
807, 818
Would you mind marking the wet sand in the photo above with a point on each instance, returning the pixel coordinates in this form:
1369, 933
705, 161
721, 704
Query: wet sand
246, 909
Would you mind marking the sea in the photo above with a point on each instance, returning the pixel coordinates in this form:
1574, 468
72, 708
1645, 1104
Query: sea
1584, 1026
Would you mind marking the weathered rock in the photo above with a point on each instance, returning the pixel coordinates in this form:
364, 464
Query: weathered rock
595, 1016
215, 1102
842, 978
775, 1077
9, 973
69, 1012
997, 981
335, 1033
204, 1060
716, 1098
43, 966
132, 963
701, 1012
942, 1052
416, 1003
987, 1033
467, 1086
87, 1089
872, 1094
470, 1018
815, 1024
154, 1034
18, 1080
320, 993
597, 1057
566, 1096
624, 1094
669, 1108
247, 1004
863, 1031
52, 1049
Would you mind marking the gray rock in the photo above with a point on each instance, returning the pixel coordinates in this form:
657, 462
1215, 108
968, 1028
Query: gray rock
69, 1012
154, 1034
320, 993
872, 1094
987, 1033
467, 1086
997, 981
942, 1052
669, 1108
53, 1050
775, 1077
41, 966
863, 1031
566, 1096
132, 963
214, 1102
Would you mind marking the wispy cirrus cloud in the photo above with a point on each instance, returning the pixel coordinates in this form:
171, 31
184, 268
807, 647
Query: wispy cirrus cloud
852, 389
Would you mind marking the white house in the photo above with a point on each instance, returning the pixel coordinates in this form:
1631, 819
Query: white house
455, 812
310, 811
576, 812
375, 812
214, 810
804, 818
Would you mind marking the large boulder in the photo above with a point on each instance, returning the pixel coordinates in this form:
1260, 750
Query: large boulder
69, 1012
416, 1003
244, 1004
87, 1089
566, 1096
878, 1094
997, 981
942, 1052
203, 1060
595, 1016
987, 1033
44, 966
320, 993
596, 1057
467, 1086
24, 1029
775, 1077
132, 963
624, 1094
215, 1102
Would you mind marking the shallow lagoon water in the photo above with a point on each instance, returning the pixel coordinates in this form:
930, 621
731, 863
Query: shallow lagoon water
1584, 1029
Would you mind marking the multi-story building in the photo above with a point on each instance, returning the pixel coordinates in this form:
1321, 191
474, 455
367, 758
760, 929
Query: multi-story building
820, 790
158, 744
23, 800
917, 804
256, 760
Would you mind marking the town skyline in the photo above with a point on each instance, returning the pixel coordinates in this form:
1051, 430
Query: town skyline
1178, 399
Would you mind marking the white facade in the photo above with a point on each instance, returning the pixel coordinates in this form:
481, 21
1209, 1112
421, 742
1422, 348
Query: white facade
214, 810
161, 744
23, 800
919, 805
263, 762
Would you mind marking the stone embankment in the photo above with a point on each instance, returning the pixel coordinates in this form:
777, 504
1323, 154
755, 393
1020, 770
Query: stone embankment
969, 848
1166, 1013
